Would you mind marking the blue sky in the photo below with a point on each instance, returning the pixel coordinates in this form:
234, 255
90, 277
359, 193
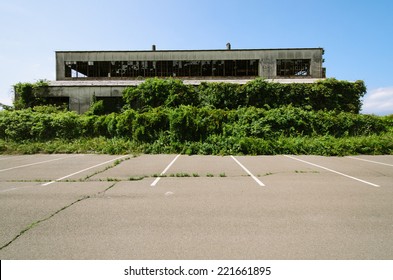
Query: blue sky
357, 35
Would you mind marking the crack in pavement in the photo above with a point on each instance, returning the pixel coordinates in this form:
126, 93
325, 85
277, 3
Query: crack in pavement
116, 163
34, 224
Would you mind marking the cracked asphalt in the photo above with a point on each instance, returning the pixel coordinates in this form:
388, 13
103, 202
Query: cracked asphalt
201, 207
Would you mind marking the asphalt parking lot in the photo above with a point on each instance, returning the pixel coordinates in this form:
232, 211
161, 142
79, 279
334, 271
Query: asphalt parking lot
196, 207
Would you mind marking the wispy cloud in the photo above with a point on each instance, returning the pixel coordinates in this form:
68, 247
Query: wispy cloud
379, 101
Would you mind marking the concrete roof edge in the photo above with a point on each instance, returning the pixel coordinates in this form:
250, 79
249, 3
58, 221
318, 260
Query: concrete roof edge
210, 50
120, 83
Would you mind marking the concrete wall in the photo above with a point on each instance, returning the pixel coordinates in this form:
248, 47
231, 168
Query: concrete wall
267, 58
81, 97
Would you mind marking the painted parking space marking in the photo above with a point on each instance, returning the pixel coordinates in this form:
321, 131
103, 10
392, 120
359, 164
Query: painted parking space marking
36, 163
372, 161
333, 171
11, 189
164, 171
248, 172
83, 170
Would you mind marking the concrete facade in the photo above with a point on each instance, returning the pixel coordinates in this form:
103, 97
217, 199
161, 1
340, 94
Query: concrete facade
81, 87
266, 58
81, 96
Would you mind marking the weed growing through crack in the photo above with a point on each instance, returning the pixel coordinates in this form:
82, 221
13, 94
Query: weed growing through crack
29, 181
155, 175
115, 163
136, 178
182, 174
112, 180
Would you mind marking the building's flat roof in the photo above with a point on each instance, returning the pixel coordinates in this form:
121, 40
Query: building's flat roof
125, 83
211, 50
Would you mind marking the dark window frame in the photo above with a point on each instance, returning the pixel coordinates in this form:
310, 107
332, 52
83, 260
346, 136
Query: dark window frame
161, 68
293, 67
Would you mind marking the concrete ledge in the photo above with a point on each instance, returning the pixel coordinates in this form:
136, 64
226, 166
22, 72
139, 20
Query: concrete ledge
125, 83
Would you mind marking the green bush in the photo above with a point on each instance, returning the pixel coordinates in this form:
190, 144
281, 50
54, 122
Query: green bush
148, 125
221, 95
67, 125
125, 123
329, 94
166, 116
28, 95
189, 123
26, 124
97, 108
262, 94
159, 92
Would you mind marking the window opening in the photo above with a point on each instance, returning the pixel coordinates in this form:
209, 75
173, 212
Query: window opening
293, 67
175, 68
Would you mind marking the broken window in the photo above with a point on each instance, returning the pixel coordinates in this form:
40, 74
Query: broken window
59, 101
175, 68
218, 68
76, 69
293, 67
111, 103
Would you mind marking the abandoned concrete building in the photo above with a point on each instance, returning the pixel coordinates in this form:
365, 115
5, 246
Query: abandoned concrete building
82, 75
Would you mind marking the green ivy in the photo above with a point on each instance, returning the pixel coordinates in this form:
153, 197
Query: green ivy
28, 95
329, 94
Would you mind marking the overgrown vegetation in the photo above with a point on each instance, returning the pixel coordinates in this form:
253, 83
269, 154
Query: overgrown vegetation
166, 116
28, 95
329, 94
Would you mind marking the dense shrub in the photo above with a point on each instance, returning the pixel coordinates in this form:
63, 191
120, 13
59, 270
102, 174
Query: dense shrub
125, 123
221, 95
28, 95
329, 94
97, 108
26, 124
189, 123
148, 125
195, 124
262, 94
166, 116
159, 92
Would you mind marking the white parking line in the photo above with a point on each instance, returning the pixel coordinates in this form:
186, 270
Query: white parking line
377, 162
248, 172
36, 163
331, 170
83, 170
163, 172
7, 190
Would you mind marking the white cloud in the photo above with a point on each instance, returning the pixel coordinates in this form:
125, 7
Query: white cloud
379, 101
